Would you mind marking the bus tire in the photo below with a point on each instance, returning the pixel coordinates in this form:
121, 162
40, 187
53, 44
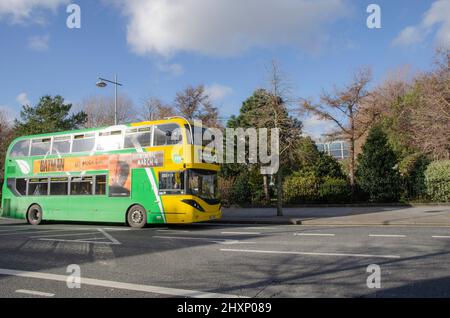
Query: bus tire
137, 217
34, 214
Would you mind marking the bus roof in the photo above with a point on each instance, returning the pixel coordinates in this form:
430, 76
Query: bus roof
179, 120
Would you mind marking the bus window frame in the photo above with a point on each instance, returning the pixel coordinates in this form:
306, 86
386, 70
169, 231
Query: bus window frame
37, 139
95, 185
101, 133
125, 133
95, 135
50, 185
70, 139
24, 156
41, 195
180, 127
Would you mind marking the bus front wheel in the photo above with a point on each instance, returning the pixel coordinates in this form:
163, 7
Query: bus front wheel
34, 215
137, 217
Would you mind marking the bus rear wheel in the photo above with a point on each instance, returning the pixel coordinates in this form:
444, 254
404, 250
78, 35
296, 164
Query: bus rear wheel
34, 215
137, 217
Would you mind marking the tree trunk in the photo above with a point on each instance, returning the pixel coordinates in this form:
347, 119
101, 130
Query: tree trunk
266, 189
352, 167
352, 155
279, 193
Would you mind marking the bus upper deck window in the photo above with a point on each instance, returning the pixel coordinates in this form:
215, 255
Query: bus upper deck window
83, 143
138, 137
61, 145
169, 134
20, 149
109, 140
40, 147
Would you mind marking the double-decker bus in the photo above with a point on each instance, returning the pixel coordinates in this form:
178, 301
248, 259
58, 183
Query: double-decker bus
138, 173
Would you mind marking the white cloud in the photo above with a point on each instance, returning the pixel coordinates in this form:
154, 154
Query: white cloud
174, 69
227, 27
22, 99
218, 92
437, 17
316, 128
39, 42
25, 11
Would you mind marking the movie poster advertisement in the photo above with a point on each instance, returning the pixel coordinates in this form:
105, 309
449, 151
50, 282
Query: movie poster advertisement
119, 167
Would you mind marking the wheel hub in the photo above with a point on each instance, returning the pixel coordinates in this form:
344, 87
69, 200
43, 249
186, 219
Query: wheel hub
137, 216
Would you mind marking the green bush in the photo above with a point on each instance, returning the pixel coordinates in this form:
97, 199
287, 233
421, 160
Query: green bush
377, 172
327, 166
437, 180
241, 191
301, 189
334, 190
412, 170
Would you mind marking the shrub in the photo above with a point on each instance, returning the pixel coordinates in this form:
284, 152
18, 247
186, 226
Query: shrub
225, 186
327, 166
241, 191
437, 180
301, 189
334, 190
412, 170
377, 174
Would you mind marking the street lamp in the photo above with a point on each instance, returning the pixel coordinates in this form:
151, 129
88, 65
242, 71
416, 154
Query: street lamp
102, 82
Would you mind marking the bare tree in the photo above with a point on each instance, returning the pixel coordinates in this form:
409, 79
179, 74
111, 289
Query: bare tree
5, 137
269, 109
289, 128
4, 125
343, 108
430, 117
416, 110
100, 110
154, 108
195, 103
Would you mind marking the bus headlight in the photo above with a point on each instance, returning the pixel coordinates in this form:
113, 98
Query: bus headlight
194, 204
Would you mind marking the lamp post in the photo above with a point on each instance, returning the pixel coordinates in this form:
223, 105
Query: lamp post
102, 82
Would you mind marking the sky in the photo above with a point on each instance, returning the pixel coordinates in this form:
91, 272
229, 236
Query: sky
158, 47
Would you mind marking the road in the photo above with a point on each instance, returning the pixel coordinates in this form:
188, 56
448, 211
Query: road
214, 260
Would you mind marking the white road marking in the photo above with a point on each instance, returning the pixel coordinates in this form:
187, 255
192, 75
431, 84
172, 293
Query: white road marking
115, 229
112, 240
119, 285
206, 239
241, 233
386, 235
260, 228
313, 234
76, 241
109, 236
441, 236
36, 232
310, 253
66, 234
34, 293
174, 231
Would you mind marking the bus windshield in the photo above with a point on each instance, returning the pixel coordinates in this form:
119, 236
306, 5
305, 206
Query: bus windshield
203, 183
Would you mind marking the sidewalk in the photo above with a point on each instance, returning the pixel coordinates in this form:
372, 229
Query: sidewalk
428, 215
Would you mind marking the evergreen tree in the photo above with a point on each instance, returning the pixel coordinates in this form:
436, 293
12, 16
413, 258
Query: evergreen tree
377, 172
51, 114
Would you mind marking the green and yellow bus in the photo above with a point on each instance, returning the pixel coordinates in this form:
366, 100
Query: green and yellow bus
137, 174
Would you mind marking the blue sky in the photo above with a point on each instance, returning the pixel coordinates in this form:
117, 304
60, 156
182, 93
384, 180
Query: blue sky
158, 47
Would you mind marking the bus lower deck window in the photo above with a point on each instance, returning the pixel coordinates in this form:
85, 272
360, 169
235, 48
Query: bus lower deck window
38, 187
59, 186
81, 186
100, 185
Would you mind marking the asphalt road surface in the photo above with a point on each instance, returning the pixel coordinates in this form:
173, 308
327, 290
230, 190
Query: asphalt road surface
213, 260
